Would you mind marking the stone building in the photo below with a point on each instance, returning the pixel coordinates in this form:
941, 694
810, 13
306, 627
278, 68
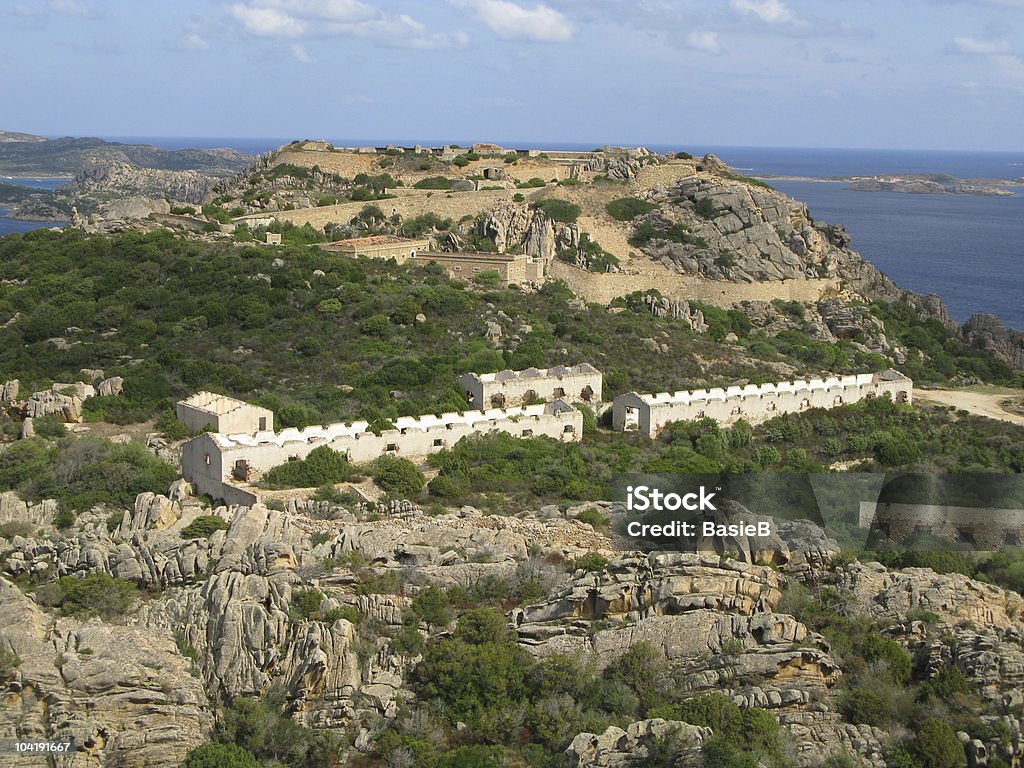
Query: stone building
575, 384
379, 247
982, 529
514, 269
222, 414
649, 413
224, 465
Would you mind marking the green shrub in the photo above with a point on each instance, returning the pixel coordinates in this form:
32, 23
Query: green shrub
936, 746
264, 730
894, 656
9, 662
219, 756
97, 594
558, 210
487, 277
204, 526
305, 604
323, 466
14, 528
432, 606
51, 426
477, 673
593, 517
398, 477
628, 208
646, 231
592, 561
434, 182
346, 612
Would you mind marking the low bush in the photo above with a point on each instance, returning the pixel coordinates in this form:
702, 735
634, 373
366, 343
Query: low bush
558, 210
97, 594
628, 208
204, 526
398, 477
323, 466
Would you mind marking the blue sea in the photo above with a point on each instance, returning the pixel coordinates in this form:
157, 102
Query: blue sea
9, 225
968, 249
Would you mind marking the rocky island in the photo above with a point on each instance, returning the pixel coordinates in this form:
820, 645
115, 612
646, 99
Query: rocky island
931, 184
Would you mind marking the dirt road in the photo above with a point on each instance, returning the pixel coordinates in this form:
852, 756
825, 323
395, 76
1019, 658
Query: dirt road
980, 403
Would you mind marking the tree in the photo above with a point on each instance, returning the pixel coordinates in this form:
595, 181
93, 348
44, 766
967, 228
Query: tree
219, 756
478, 674
398, 477
937, 746
323, 466
432, 606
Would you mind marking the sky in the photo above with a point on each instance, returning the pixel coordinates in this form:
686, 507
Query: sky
924, 74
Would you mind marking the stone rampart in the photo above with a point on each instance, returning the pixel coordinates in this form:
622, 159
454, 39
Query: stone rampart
447, 205
754, 403
223, 464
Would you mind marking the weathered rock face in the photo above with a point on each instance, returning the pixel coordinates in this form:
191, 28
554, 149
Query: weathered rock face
9, 391
124, 694
618, 748
987, 333
657, 585
122, 178
739, 232
46, 403
954, 598
677, 309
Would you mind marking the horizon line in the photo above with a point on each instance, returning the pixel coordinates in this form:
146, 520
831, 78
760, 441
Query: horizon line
518, 143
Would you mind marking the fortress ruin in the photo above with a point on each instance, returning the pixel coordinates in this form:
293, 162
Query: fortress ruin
222, 414
225, 465
983, 529
578, 383
379, 247
649, 413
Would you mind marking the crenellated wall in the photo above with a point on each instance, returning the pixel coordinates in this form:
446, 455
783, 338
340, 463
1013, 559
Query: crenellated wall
754, 403
577, 383
209, 460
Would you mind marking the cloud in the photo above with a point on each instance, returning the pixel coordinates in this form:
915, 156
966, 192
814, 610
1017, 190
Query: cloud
74, 8
193, 41
301, 55
517, 22
306, 19
268, 22
703, 40
981, 47
997, 51
1012, 66
769, 11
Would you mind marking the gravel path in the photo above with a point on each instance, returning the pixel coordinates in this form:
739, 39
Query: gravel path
988, 404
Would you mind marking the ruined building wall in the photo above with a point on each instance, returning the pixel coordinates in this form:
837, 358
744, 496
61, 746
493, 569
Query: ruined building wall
581, 383
648, 414
222, 414
209, 460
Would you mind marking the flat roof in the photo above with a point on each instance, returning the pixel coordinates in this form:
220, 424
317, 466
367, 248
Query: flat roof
211, 402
